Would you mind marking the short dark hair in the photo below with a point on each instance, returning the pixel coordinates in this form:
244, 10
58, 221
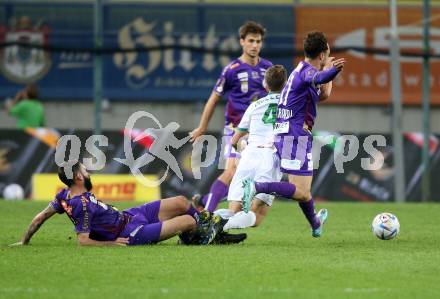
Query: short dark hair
314, 44
32, 91
253, 28
276, 77
62, 173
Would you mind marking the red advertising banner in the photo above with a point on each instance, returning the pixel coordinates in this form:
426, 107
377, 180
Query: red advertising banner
366, 78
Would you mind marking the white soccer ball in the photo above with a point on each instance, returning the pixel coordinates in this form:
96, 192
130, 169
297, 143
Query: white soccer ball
385, 226
13, 192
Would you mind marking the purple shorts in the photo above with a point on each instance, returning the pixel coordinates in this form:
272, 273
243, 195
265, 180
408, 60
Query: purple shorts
295, 153
144, 226
228, 150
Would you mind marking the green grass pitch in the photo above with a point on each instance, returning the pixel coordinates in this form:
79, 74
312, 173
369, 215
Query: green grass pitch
280, 259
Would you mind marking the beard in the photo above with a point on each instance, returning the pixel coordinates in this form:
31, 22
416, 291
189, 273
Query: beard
88, 184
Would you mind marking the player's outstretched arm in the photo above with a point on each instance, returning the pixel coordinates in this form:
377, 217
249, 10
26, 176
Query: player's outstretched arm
329, 74
36, 223
84, 240
206, 116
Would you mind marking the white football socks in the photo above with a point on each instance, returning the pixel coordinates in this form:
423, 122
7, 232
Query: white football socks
224, 213
241, 220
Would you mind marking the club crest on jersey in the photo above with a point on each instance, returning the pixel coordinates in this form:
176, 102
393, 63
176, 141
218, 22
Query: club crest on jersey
244, 81
20, 64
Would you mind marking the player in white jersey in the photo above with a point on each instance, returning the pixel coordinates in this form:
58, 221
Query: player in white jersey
258, 160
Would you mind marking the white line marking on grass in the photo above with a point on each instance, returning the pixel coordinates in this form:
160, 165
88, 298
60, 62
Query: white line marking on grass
24, 290
364, 290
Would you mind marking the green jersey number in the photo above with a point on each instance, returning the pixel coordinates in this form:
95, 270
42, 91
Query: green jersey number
270, 115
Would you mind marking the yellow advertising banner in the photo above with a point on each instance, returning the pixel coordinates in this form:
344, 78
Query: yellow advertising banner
366, 77
106, 187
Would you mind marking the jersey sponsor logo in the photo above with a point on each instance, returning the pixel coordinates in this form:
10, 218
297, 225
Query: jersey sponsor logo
255, 75
281, 128
291, 164
243, 76
244, 81
20, 64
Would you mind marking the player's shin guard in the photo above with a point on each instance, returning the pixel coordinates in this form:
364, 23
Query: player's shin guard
218, 191
308, 208
241, 220
284, 189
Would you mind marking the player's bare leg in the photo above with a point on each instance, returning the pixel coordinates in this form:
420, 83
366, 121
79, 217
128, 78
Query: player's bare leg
175, 206
176, 225
235, 206
179, 215
298, 188
260, 208
307, 204
219, 188
303, 184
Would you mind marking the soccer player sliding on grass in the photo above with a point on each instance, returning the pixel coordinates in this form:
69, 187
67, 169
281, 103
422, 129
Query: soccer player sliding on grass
309, 83
99, 224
